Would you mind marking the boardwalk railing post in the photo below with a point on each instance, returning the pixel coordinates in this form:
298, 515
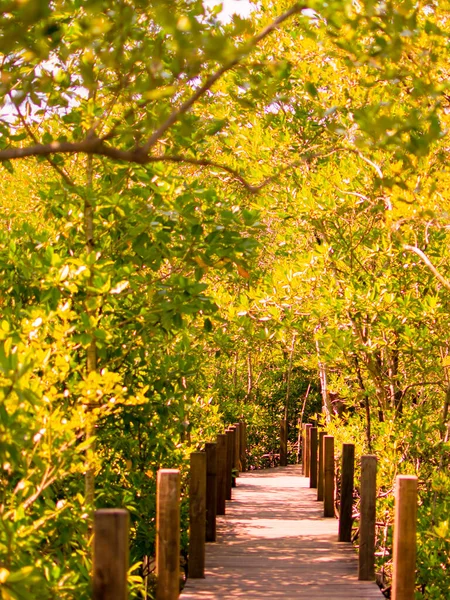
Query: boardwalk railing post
306, 446
367, 519
230, 447
197, 514
404, 551
313, 457
237, 449
243, 445
320, 470
328, 484
211, 490
110, 554
232, 428
283, 443
346, 504
221, 473
168, 534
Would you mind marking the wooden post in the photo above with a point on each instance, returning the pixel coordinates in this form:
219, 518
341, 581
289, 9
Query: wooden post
168, 534
197, 514
346, 504
237, 450
111, 527
232, 428
320, 470
367, 520
328, 484
404, 551
306, 449
243, 445
313, 457
230, 447
221, 452
283, 443
211, 490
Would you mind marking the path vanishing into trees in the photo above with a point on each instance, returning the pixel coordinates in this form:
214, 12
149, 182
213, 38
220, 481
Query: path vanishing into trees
275, 543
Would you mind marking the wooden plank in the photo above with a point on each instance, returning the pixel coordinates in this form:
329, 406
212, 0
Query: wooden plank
274, 543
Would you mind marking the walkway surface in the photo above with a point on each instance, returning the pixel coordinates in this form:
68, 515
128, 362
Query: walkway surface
275, 543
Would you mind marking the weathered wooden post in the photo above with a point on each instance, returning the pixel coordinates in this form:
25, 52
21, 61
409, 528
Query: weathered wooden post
307, 447
283, 443
328, 484
221, 473
237, 449
197, 515
211, 490
404, 551
168, 534
313, 457
320, 470
346, 504
232, 428
367, 519
230, 447
111, 527
243, 445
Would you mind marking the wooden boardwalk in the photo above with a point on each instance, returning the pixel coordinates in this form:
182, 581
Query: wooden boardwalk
275, 543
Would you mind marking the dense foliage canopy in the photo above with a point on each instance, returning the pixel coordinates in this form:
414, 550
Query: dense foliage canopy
203, 220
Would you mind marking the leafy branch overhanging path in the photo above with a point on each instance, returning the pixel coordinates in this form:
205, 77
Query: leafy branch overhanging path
275, 543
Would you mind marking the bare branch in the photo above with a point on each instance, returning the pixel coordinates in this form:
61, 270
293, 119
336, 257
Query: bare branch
429, 264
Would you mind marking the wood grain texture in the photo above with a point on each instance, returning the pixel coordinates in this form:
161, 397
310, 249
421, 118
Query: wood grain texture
313, 457
405, 524
211, 490
346, 503
367, 520
168, 534
230, 450
328, 478
275, 544
110, 554
197, 514
320, 471
307, 447
221, 473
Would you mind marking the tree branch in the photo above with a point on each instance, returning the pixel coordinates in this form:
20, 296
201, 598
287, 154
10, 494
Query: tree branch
211, 80
429, 264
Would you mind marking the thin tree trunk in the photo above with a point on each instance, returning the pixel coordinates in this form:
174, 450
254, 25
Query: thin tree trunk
91, 357
366, 404
288, 378
326, 404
